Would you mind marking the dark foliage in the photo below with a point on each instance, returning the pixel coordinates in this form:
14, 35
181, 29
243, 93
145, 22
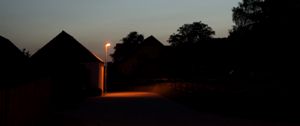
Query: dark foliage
191, 34
127, 47
265, 33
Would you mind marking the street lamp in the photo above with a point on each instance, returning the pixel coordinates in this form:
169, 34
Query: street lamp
107, 45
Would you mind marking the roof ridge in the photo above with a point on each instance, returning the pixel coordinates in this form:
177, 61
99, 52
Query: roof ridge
152, 39
63, 43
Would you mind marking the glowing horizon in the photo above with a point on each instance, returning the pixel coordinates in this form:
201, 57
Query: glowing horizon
31, 24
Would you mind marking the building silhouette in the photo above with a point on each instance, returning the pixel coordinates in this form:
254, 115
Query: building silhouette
74, 70
12, 64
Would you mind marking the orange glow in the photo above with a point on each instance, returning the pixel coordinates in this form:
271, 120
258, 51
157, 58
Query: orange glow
130, 94
164, 88
101, 77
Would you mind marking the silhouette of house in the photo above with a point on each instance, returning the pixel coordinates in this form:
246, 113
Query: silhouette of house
73, 69
12, 63
145, 62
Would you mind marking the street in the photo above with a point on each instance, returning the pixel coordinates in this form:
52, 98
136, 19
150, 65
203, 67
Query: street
142, 109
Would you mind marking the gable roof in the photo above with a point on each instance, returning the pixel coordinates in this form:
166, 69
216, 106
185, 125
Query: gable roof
64, 48
12, 65
9, 53
151, 41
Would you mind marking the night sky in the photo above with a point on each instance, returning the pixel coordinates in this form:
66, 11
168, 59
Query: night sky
31, 24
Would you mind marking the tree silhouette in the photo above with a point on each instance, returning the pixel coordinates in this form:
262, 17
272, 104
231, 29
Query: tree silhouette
248, 12
264, 34
191, 33
133, 38
267, 18
127, 47
246, 15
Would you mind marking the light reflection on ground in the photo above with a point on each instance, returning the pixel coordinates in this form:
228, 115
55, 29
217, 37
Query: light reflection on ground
129, 94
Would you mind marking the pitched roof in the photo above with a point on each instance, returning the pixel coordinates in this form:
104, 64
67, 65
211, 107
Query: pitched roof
64, 48
9, 52
151, 41
12, 64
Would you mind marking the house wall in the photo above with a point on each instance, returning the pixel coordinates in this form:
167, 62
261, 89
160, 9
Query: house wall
101, 77
26, 104
96, 75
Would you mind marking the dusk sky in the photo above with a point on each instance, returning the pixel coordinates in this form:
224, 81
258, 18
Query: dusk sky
31, 24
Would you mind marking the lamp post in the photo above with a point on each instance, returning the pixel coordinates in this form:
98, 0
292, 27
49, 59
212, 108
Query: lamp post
107, 45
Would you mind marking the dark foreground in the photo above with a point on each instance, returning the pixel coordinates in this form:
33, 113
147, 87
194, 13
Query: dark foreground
142, 109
